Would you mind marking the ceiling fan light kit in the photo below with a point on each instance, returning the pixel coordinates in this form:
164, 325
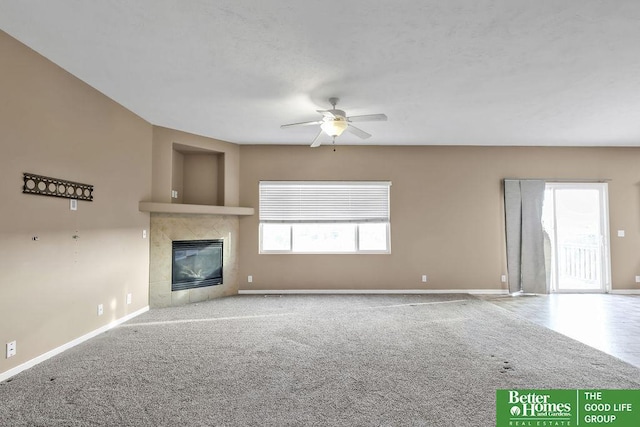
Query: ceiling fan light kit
334, 127
335, 122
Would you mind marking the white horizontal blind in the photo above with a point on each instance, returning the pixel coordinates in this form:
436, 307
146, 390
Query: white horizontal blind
324, 201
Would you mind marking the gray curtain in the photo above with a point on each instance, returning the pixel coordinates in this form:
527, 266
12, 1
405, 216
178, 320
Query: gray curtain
525, 238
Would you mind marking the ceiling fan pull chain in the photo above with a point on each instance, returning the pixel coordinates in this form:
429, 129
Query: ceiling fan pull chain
334, 143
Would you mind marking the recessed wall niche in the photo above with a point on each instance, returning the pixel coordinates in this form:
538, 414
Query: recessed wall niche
197, 176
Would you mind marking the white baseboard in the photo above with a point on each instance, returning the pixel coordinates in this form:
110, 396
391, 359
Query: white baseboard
625, 291
49, 354
373, 291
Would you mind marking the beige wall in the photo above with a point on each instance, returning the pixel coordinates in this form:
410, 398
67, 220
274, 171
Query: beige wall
198, 177
52, 124
201, 179
447, 217
167, 141
220, 195
177, 176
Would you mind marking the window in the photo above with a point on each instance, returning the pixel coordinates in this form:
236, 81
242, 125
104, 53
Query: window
324, 217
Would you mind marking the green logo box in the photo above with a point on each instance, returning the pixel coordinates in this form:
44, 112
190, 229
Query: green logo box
571, 407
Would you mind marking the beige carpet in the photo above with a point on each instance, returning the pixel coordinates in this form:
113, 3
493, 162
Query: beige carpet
379, 360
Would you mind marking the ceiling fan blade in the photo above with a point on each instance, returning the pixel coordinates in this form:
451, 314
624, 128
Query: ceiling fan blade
368, 118
316, 141
358, 132
316, 122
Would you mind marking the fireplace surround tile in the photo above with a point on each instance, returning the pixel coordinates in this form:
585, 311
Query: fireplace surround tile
168, 227
160, 294
182, 297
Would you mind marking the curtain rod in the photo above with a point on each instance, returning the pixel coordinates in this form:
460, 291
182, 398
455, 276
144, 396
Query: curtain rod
560, 179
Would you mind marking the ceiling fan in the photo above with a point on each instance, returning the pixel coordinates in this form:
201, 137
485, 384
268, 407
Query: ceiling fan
334, 122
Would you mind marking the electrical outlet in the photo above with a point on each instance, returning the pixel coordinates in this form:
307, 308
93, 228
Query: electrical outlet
637, 279
424, 278
128, 298
250, 279
11, 349
100, 309
503, 278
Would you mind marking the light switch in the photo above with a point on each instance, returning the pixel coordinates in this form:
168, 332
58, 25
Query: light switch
620, 233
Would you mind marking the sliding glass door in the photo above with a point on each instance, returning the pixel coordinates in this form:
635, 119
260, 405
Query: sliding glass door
575, 220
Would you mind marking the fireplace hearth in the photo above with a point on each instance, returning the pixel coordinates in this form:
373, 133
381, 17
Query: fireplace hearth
196, 264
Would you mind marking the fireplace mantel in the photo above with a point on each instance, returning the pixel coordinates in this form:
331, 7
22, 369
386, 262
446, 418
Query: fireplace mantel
193, 209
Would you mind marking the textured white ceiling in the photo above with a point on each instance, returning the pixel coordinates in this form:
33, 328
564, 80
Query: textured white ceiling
467, 72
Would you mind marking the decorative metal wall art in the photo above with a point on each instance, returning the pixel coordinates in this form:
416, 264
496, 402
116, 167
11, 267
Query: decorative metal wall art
47, 186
